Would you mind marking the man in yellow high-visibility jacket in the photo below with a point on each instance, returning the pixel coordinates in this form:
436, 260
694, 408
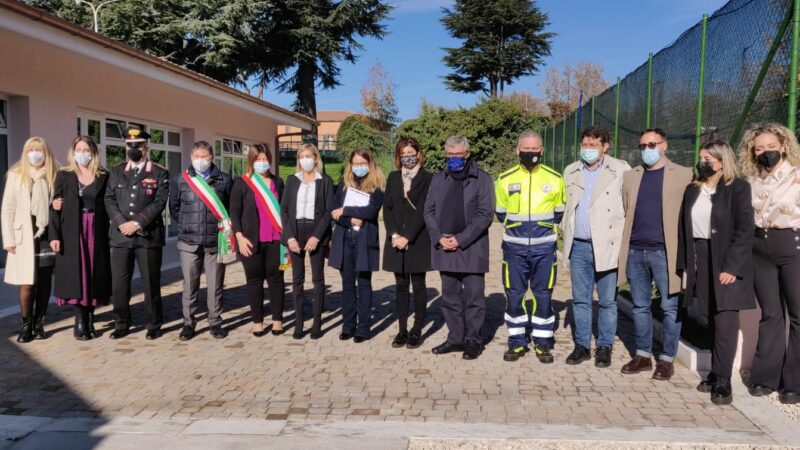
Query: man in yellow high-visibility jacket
530, 203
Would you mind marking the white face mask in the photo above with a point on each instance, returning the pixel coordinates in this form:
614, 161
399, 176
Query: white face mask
261, 167
83, 159
36, 157
307, 164
201, 165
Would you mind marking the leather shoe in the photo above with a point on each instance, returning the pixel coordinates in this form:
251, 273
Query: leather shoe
360, 339
759, 390
579, 355
217, 332
602, 357
315, 334
414, 340
119, 333
447, 347
472, 350
664, 370
153, 334
187, 333
637, 364
722, 393
543, 353
788, 397
400, 340
707, 385
345, 336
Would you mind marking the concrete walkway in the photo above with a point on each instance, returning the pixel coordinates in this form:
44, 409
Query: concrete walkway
276, 391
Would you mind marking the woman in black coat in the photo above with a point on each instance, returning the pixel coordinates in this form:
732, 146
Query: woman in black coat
78, 234
355, 248
258, 241
715, 254
407, 249
307, 229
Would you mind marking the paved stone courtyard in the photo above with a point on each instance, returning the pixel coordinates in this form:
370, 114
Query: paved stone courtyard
279, 378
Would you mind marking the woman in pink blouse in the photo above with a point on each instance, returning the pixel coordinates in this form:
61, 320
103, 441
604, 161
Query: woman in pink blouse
255, 215
770, 157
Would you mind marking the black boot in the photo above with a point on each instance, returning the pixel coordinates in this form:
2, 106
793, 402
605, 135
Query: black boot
80, 324
722, 394
316, 328
90, 331
26, 332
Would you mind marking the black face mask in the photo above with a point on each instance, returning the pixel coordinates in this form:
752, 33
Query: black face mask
769, 159
530, 160
705, 169
135, 154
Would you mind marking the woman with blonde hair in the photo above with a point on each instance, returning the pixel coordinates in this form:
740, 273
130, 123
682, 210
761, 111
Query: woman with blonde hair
770, 158
307, 230
25, 216
355, 245
78, 233
715, 253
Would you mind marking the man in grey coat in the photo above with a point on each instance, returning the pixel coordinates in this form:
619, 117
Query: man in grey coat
458, 212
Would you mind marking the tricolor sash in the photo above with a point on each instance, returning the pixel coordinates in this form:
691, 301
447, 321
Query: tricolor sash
267, 200
226, 243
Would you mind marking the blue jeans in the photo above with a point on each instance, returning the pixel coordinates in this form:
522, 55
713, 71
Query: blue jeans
584, 278
644, 267
356, 309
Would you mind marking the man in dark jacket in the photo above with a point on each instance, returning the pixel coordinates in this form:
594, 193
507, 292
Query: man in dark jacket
194, 208
458, 212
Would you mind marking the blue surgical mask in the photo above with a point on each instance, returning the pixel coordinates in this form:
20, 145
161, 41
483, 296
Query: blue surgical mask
83, 159
360, 171
456, 163
261, 167
650, 156
590, 155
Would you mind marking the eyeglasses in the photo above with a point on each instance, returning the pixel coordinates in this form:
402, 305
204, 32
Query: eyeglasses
531, 149
455, 155
651, 145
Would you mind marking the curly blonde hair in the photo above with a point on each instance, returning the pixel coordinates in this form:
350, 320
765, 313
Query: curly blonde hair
747, 155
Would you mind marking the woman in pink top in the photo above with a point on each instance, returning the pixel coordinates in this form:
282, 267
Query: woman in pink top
258, 237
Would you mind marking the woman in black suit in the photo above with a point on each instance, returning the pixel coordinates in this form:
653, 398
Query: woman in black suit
257, 224
355, 246
407, 249
715, 247
78, 233
307, 229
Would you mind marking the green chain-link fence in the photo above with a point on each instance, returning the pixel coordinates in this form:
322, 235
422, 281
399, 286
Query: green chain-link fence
746, 78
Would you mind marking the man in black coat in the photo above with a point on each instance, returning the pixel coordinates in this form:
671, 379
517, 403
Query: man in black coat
198, 238
136, 196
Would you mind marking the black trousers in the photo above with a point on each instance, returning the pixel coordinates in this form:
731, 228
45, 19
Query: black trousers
305, 229
149, 262
403, 281
264, 265
723, 325
776, 257
463, 306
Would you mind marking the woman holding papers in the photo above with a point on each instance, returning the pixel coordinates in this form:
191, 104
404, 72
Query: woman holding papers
407, 249
354, 245
256, 217
307, 230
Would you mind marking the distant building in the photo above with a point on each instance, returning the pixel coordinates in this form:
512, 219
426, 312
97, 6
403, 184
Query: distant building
329, 122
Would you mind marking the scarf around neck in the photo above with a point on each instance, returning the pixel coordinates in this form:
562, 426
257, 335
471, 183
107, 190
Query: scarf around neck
40, 201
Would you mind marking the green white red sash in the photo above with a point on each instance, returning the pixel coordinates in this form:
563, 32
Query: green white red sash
267, 200
226, 243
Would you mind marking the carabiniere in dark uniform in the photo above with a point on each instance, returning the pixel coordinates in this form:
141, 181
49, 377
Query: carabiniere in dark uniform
136, 196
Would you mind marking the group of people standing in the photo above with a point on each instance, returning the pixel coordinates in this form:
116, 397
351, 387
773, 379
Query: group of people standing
724, 241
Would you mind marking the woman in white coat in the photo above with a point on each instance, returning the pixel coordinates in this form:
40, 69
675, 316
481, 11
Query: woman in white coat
25, 215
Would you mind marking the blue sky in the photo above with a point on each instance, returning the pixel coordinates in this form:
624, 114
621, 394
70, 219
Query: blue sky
618, 34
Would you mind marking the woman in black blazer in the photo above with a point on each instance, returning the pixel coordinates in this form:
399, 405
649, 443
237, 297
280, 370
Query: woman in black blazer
355, 248
407, 249
78, 233
715, 245
307, 229
258, 239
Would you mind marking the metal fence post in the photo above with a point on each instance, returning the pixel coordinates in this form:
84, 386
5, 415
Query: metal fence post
575, 135
791, 123
649, 101
616, 119
592, 122
563, 141
700, 89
